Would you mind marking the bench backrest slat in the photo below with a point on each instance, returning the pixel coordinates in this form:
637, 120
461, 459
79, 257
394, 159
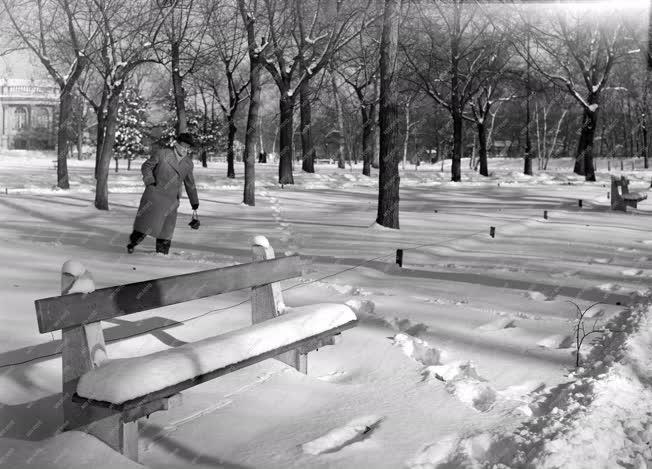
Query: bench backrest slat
60, 312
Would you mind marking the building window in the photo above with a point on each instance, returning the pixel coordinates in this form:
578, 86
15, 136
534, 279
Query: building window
40, 118
20, 118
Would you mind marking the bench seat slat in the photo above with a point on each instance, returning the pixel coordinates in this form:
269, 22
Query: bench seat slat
59, 312
131, 382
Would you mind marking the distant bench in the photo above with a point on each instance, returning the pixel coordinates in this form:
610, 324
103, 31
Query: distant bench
623, 198
106, 397
323, 161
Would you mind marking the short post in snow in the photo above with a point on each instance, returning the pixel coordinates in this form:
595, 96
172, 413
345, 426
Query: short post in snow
545, 214
579, 203
399, 257
492, 231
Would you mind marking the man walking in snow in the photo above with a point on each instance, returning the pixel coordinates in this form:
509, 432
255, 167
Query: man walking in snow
163, 174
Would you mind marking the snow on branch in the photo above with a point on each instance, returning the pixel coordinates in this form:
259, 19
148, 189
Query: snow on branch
313, 41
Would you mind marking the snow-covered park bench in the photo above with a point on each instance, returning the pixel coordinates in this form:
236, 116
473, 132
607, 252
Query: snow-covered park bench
106, 397
623, 198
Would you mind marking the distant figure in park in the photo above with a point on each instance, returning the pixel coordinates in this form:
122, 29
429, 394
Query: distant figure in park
262, 157
163, 174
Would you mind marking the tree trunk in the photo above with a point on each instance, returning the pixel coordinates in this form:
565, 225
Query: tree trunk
230, 154
286, 128
585, 146
179, 92
389, 181
101, 128
80, 132
307, 148
527, 159
255, 66
63, 138
341, 146
406, 139
482, 150
554, 142
367, 143
102, 183
645, 111
203, 154
249, 197
375, 162
579, 155
456, 157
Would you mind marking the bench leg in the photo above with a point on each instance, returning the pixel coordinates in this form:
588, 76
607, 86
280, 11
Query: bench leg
295, 359
106, 425
130, 440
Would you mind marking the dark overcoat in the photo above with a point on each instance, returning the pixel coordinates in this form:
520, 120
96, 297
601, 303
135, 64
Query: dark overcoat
163, 174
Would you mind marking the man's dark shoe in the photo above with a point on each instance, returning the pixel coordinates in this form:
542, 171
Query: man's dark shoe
130, 248
163, 245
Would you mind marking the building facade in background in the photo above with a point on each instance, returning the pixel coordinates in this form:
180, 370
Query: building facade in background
28, 114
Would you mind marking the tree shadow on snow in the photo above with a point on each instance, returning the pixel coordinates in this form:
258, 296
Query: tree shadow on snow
550, 290
155, 326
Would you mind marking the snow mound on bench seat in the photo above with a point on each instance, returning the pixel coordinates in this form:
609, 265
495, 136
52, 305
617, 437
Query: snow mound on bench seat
124, 379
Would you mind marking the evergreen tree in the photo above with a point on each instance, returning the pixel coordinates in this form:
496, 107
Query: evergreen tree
132, 124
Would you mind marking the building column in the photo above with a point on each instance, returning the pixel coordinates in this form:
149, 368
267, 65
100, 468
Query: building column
3, 127
28, 128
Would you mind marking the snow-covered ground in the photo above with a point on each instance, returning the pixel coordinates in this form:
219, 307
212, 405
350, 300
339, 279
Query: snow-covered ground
463, 358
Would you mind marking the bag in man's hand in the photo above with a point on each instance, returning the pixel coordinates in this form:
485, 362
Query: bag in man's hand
194, 223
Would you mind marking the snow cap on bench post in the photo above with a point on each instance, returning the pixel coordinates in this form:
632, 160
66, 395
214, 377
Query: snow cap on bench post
75, 278
83, 347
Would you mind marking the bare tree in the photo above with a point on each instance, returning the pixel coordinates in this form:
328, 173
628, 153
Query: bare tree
228, 43
490, 85
249, 11
184, 25
295, 59
578, 52
60, 34
358, 64
129, 31
449, 61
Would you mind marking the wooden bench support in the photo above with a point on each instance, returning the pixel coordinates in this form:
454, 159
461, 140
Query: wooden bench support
107, 425
267, 303
83, 348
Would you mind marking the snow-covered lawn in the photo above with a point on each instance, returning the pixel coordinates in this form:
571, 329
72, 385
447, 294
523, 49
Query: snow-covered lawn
462, 357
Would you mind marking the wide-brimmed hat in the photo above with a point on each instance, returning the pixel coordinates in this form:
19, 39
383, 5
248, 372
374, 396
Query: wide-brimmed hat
186, 138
